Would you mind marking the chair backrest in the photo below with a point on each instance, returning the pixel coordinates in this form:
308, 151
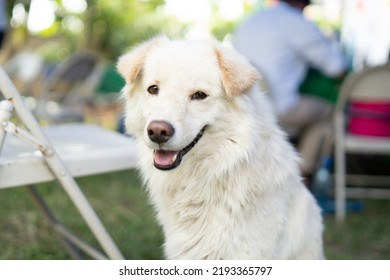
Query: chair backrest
366, 96
69, 88
75, 71
371, 84
76, 68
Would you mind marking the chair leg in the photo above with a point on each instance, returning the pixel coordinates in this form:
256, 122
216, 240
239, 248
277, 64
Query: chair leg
340, 179
340, 192
85, 209
71, 241
70, 248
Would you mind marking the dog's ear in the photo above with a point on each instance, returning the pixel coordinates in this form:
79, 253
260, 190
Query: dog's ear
238, 75
130, 65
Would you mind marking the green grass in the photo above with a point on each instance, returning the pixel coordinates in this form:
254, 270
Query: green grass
122, 205
118, 199
365, 235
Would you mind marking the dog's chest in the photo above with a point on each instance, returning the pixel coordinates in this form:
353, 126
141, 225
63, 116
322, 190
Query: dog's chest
204, 211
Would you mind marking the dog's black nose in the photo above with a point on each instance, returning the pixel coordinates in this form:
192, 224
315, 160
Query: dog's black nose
160, 131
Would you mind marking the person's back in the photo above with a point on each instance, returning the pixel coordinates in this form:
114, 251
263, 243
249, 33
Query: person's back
283, 45
269, 51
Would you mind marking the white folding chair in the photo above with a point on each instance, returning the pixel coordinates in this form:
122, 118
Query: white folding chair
60, 153
371, 84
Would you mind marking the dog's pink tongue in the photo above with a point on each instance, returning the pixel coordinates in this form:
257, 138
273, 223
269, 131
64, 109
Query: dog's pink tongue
164, 158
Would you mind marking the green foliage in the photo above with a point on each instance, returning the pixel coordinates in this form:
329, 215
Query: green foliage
114, 26
111, 27
108, 27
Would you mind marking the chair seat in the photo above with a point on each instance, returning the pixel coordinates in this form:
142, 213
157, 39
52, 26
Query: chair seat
85, 149
366, 144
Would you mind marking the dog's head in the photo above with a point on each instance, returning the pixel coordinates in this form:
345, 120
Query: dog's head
176, 90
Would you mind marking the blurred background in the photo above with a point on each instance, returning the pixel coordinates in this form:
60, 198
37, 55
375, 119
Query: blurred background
57, 28
79, 41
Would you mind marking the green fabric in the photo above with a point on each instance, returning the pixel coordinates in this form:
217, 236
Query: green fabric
317, 84
110, 81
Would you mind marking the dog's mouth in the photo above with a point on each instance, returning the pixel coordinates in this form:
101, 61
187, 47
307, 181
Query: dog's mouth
167, 160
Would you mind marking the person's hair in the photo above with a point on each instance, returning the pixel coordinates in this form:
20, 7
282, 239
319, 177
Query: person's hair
304, 2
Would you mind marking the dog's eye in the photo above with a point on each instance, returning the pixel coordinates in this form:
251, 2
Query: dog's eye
199, 95
153, 89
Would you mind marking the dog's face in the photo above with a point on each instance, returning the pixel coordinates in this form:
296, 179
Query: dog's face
177, 89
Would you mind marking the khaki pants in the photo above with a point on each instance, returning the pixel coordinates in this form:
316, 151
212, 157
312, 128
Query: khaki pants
308, 120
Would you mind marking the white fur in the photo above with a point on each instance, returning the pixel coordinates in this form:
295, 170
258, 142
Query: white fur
237, 194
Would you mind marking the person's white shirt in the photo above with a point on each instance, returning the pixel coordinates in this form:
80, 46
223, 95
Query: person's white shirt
282, 44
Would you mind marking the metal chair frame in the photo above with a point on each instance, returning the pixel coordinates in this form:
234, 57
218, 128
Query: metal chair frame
368, 85
34, 136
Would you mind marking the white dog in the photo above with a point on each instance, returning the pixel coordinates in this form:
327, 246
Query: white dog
222, 176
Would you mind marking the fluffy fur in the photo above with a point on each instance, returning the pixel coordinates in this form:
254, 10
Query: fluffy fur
237, 194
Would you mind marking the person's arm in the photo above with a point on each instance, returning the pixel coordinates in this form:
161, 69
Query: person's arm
320, 53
